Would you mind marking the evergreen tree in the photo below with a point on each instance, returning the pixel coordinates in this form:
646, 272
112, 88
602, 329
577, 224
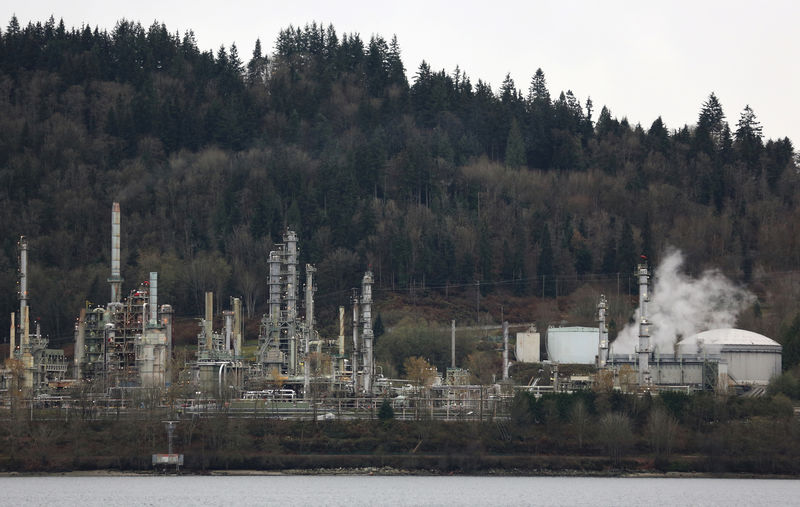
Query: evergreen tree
647, 240
515, 147
610, 264
657, 136
508, 92
540, 122
538, 94
709, 135
257, 66
395, 67
790, 339
583, 259
748, 138
386, 412
378, 328
626, 253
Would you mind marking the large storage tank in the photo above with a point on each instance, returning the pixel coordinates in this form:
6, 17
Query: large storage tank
752, 358
577, 345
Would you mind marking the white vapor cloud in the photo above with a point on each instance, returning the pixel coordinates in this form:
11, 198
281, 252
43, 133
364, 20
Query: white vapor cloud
681, 306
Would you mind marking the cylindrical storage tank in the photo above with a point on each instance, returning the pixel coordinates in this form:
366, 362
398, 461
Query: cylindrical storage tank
752, 358
575, 345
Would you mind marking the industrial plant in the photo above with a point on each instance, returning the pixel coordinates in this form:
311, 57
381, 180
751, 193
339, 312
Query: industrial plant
124, 351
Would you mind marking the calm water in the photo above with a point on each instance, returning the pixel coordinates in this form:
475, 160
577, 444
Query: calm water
381, 490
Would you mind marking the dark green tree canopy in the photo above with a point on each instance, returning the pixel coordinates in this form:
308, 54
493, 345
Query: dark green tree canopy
437, 182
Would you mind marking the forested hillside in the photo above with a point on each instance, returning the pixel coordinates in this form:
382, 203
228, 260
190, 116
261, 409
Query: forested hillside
437, 183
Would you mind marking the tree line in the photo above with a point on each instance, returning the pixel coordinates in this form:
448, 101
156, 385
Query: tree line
433, 182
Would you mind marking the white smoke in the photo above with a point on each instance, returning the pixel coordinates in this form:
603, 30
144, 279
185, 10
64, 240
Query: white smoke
681, 306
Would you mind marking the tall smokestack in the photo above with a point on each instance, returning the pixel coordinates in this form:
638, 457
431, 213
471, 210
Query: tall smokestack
12, 343
310, 289
453, 344
23, 292
237, 327
79, 344
116, 278
209, 329
602, 352
26, 337
153, 299
644, 324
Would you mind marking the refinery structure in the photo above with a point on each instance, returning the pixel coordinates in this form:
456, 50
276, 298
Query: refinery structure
125, 348
127, 344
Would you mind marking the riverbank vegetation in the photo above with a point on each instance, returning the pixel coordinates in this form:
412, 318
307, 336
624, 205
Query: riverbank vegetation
583, 432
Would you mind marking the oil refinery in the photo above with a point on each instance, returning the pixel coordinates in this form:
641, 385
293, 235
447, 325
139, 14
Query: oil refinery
124, 351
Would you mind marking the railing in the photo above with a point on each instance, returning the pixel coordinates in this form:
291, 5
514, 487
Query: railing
444, 409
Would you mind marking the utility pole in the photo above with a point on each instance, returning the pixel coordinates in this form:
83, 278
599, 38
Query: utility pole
478, 297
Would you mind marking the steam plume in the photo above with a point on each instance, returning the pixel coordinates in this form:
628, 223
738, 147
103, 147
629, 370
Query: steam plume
681, 306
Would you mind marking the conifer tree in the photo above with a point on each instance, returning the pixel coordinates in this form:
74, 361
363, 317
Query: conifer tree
515, 147
538, 93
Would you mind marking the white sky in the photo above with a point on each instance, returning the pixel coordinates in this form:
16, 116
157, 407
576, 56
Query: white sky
642, 59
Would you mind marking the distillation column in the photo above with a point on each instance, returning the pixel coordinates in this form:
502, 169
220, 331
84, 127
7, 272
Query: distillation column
290, 239
367, 335
644, 324
24, 312
23, 294
237, 327
208, 322
80, 345
602, 351
341, 340
356, 348
228, 316
310, 289
274, 286
166, 322
12, 339
291, 274
310, 270
116, 278
153, 303
505, 350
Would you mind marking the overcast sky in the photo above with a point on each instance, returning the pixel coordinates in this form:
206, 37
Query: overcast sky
640, 59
